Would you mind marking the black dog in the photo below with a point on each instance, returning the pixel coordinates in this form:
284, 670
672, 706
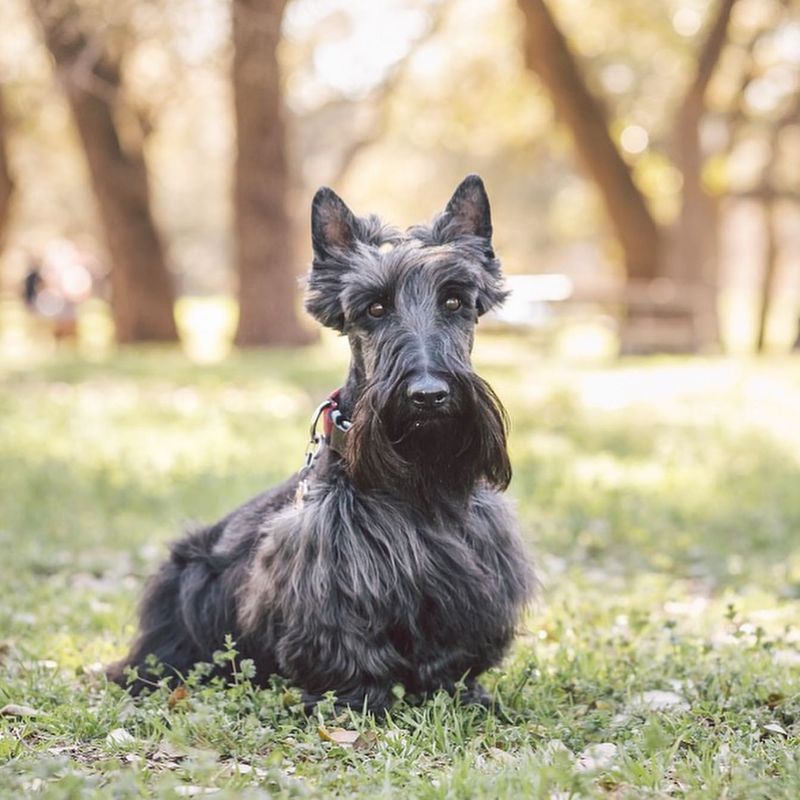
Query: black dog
392, 558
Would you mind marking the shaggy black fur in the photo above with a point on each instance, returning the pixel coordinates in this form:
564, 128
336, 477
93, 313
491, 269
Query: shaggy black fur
402, 563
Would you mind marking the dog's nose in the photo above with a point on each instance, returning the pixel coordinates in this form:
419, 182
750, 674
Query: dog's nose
428, 392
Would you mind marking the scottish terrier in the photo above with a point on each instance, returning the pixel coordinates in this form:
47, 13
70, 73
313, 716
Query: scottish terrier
391, 557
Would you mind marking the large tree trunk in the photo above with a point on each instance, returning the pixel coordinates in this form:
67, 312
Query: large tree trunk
6, 181
548, 54
268, 281
141, 287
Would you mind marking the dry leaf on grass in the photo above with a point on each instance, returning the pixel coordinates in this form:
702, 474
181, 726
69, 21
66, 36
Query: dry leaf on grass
120, 737
596, 757
14, 710
501, 756
177, 696
366, 741
338, 735
657, 700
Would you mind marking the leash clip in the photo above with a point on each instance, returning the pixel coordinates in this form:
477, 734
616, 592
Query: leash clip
312, 449
314, 438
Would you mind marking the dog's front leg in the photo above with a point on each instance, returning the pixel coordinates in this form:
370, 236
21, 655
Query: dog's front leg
358, 668
451, 672
371, 699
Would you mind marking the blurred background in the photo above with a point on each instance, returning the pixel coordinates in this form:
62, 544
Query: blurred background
157, 160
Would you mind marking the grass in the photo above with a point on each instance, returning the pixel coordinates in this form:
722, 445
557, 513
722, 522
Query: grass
662, 660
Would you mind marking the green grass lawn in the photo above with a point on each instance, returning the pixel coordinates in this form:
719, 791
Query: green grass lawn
662, 502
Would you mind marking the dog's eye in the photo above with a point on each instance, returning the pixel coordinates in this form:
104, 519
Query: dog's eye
452, 304
376, 310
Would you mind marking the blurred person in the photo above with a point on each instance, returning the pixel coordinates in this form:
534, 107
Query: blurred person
55, 284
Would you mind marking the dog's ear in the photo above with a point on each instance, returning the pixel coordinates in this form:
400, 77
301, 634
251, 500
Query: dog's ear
468, 212
333, 224
334, 231
468, 215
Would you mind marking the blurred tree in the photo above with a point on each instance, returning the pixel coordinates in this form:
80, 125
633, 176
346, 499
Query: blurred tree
549, 55
362, 119
693, 252
684, 256
268, 307
6, 181
770, 194
90, 74
761, 161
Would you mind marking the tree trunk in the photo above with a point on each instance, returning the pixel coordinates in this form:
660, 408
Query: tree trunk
651, 322
671, 297
268, 282
141, 287
770, 270
692, 261
548, 54
6, 181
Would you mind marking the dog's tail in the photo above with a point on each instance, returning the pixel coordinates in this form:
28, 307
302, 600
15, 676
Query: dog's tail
187, 609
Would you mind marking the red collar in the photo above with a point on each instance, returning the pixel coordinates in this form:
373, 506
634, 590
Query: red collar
331, 406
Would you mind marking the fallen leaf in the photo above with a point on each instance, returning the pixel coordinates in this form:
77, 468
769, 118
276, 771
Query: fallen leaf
496, 754
657, 700
194, 791
167, 752
338, 736
366, 741
120, 737
773, 727
596, 757
13, 710
177, 696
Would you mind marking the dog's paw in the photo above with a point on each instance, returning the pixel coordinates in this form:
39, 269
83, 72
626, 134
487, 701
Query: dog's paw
475, 695
369, 701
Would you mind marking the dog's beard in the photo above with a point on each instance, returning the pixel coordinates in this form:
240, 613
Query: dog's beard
392, 447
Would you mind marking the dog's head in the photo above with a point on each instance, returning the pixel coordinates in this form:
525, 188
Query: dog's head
409, 303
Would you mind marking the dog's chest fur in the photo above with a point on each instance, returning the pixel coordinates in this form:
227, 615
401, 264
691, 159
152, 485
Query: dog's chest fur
346, 569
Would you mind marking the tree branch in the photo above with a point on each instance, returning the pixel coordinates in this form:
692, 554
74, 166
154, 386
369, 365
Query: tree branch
548, 54
710, 52
374, 125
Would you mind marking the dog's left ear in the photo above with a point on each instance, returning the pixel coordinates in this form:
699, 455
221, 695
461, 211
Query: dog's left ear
468, 212
467, 216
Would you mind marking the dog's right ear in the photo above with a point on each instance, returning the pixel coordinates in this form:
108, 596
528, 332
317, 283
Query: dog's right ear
334, 232
333, 224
